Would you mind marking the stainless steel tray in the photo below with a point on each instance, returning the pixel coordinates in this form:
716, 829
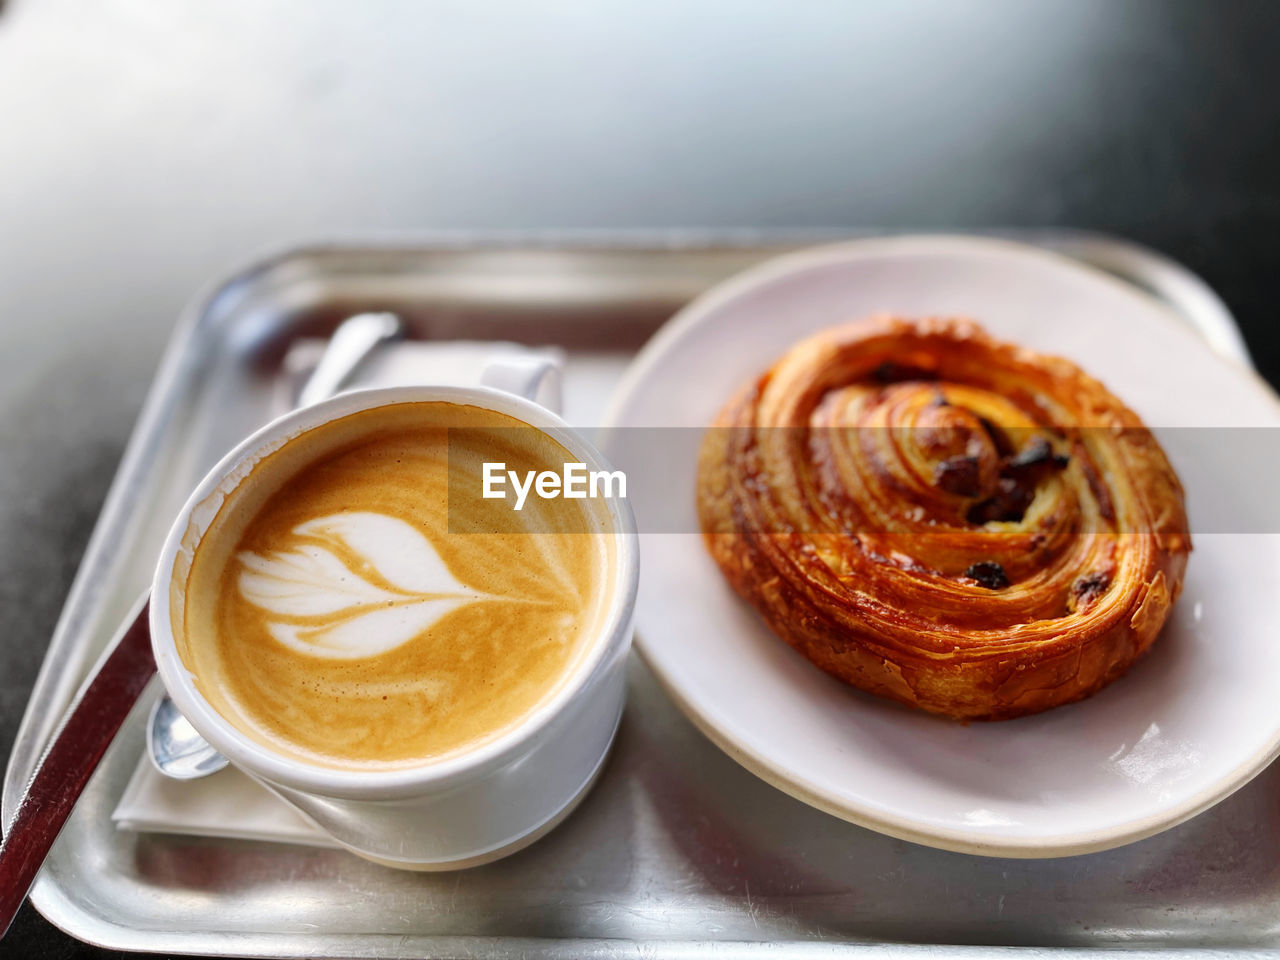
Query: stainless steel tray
678, 851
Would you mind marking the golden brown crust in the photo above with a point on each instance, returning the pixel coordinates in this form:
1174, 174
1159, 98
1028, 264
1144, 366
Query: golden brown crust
956, 523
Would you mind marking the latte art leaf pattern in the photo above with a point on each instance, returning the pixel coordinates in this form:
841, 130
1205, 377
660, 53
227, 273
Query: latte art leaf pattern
357, 585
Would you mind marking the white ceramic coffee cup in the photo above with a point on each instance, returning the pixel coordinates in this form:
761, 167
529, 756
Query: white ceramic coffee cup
464, 810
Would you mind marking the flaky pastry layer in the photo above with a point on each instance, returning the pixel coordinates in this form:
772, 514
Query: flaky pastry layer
958, 524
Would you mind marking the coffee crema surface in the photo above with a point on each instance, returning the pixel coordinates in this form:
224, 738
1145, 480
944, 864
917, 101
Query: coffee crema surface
356, 603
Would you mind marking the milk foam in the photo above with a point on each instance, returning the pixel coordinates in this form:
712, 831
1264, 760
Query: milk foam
334, 574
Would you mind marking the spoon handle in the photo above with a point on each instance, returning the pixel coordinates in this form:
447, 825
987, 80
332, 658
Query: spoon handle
87, 729
351, 344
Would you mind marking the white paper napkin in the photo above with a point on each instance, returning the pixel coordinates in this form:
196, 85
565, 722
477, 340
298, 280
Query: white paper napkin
225, 804
228, 803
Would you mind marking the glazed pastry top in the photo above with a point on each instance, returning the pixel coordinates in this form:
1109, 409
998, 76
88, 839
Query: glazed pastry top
930, 513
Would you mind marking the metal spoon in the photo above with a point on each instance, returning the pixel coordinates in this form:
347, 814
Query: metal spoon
175, 748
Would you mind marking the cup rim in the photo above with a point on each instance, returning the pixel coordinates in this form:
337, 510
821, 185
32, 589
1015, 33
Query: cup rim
261, 761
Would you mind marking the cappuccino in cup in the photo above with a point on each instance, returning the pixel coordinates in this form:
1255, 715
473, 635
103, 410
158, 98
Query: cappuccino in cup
357, 602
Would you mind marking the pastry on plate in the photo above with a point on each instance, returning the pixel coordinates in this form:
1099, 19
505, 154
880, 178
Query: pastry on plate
963, 525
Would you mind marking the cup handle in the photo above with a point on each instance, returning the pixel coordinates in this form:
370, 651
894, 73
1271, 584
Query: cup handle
535, 378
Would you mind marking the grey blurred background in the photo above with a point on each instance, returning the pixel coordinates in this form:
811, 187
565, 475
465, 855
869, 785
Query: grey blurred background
148, 146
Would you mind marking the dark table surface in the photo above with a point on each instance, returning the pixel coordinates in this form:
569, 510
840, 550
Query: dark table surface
145, 148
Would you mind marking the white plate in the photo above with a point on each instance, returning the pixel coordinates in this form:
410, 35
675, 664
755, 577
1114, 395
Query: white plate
1188, 725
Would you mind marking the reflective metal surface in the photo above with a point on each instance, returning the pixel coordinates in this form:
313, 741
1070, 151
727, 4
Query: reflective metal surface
350, 345
174, 746
678, 851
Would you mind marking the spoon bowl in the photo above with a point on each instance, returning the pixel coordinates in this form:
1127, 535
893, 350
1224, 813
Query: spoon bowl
173, 745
